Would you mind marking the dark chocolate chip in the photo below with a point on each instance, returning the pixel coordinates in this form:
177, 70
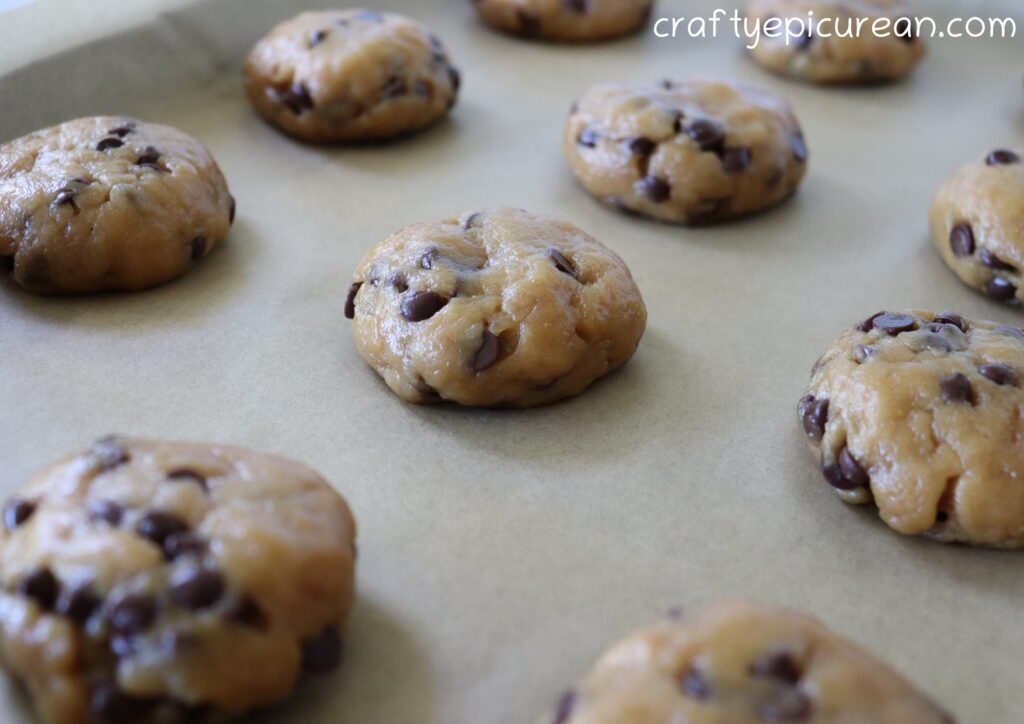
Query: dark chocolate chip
694, 685
868, 324
814, 418
65, 197
187, 475
121, 131
394, 86
78, 604
654, 188
957, 388
576, 6
400, 282
422, 305
642, 146
350, 300
1000, 374
894, 324
247, 613
800, 148
42, 587
852, 470
196, 588
322, 653
1002, 157
562, 264
778, 665
803, 42
992, 261
108, 143
961, 239
1002, 290
198, 247
149, 157
736, 159
109, 453
185, 543
17, 511
905, 29
296, 98
837, 479
318, 37
109, 704
787, 705
472, 222
952, 318
106, 511
132, 614
157, 526
564, 708
231, 211
707, 134
487, 354
588, 137
455, 78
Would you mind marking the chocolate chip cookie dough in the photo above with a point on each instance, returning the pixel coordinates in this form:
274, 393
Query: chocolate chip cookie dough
566, 20
494, 308
157, 582
921, 414
839, 46
350, 75
977, 224
741, 663
692, 152
108, 203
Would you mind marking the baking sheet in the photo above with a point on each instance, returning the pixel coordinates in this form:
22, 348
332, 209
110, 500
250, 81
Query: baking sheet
500, 551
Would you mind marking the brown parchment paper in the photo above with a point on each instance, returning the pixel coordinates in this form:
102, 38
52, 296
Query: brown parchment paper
500, 551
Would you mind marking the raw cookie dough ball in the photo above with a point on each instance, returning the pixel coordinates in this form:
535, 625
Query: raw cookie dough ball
350, 75
864, 57
566, 20
977, 223
920, 413
108, 203
691, 152
741, 663
157, 582
494, 308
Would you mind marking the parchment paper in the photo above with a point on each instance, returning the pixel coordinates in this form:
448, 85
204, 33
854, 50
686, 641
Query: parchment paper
501, 551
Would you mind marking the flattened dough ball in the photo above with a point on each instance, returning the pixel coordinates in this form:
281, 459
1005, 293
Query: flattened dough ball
839, 46
566, 20
156, 582
108, 203
977, 224
494, 308
738, 662
921, 413
350, 75
692, 152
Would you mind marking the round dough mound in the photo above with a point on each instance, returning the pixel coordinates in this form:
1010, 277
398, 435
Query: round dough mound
566, 20
856, 58
494, 308
692, 152
977, 223
350, 75
923, 414
157, 582
108, 203
741, 663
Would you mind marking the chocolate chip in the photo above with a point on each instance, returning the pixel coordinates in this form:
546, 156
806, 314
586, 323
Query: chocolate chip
778, 665
695, 685
198, 246
837, 478
787, 705
654, 188
121, 131
1002, 157
318, 37
322, 653
157, 526
350, 300
961, 240
106, 511
487, 354
472, 222
247, 613
78, 604
422, 305
132, 614
1000, 374
42, 587
894, 324
394, 86
588, 137
109, 704
803, 42
562, 264
735, 160
196, 588
868, 324
642, 146
1002, 290
109, 453
905, 29
149, 157
185, 543
563, 710
576, 6
455, 78
708, 134
108, 143
17, 511
957, 388
800, 148
231, 211
65, 197
296, 98
187, 475
852, 470
992, 261
952, 318
399, 281
814, 415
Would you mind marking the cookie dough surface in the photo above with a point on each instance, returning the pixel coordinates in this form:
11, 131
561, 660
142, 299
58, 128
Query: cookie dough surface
494, 308
158, 582
565, 20
108, 203
350, 75
692, 152
977, 224
741, 663
923, 415
840, 47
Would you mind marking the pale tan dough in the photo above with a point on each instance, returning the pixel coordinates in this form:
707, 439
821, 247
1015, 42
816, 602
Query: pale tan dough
977, 224
147, 582
923, 415
350, 75
852, 59
108, 203
494, 308
566, 20
695, 152
738, 662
